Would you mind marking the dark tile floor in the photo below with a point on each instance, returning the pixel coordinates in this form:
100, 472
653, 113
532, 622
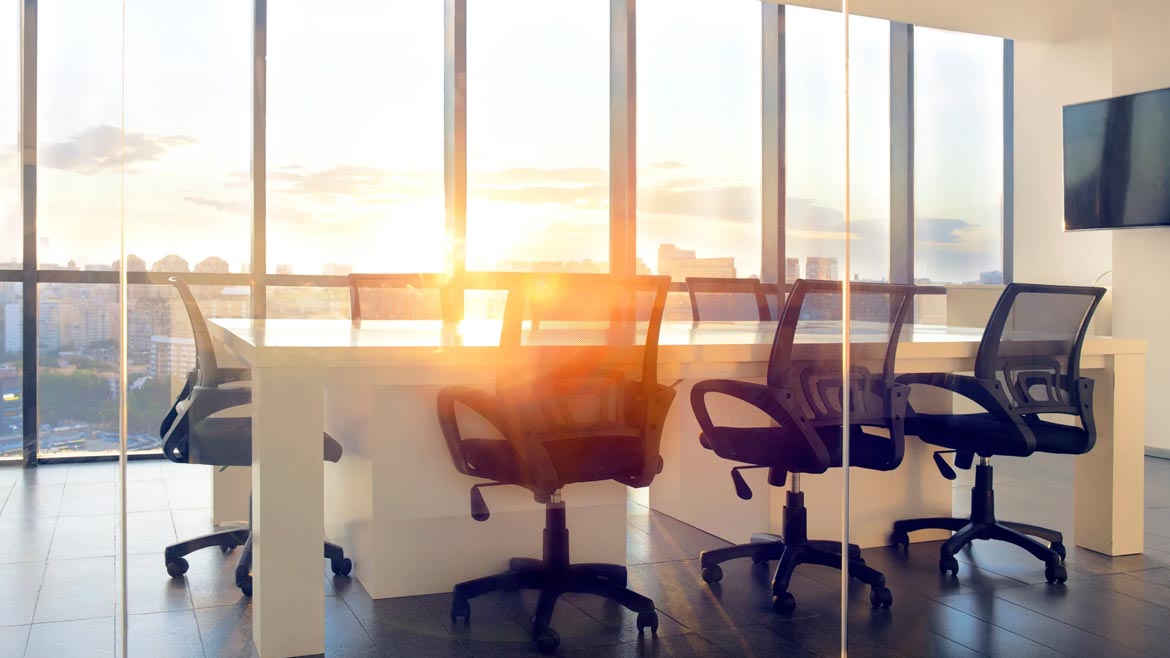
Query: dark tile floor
58, 584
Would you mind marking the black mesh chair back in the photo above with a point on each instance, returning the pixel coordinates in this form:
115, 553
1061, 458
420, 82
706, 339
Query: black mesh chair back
806, 355
580, 353
1032, 345
714, 298
397, 297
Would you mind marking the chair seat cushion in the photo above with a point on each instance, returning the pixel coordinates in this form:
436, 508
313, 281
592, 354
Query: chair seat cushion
779, 448
985, 435
228, 442
577, 459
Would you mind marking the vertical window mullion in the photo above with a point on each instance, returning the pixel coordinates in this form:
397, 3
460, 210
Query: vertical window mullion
1009, 183
259, 160
901, 153
28, 184
622, 136
773, 131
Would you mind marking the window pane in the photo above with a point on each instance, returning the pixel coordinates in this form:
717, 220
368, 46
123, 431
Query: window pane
355, 136
11, 368
77, 400
188, 133
958, 157
537, 135
306, 302
79, 143
815, 145
699, 136
11, 231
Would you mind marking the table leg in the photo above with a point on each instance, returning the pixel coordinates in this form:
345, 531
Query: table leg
1110, 478
288, 605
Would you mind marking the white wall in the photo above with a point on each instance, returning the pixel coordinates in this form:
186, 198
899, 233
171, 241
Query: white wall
1141, 257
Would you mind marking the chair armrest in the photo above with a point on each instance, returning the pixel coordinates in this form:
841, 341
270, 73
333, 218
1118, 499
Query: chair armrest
657, 407
169, 420
1083, 390
986, 393
229, 375
778, 403
476, 400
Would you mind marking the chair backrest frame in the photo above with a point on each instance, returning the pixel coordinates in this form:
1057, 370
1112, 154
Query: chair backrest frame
730, 286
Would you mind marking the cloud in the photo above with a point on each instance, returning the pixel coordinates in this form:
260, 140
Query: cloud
98, 149
941, 231
233, 207
738, 203
667, 165
590, 196
536, 175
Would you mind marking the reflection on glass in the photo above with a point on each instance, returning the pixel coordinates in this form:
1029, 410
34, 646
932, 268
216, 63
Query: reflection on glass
958, 157
355, 137
77, 371
10, 215
815, 145
537, 135
699, 135
306, 302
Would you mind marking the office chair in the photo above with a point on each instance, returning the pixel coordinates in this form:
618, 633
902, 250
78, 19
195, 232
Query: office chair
724, 299
193, 435
803, 396
398, 297
577, 400
1028, 364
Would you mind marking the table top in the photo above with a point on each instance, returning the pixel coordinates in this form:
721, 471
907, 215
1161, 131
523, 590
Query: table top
338, 342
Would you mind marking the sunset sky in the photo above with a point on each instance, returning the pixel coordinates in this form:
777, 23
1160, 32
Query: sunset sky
355, 134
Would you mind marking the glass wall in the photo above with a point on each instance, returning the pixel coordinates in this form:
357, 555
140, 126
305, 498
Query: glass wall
11, 234
537, 135
958, 157
355, 137
815, 145
11, 370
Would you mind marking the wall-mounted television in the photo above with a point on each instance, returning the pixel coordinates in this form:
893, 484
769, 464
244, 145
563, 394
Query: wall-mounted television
1117, 162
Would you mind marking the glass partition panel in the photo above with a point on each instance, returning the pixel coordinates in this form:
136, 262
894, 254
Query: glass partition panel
537, 135
699, 136
355, 137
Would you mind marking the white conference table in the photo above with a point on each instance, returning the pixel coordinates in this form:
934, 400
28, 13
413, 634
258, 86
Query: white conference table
408, 487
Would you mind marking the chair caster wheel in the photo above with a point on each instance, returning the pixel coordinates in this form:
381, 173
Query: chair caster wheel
177, 567
712, 574
1058, 548
246, 586
547, 640
648, 620
460, 608
948, 564
900, 540
1055, 573
881, 597
784, 603
226, 549
341, 567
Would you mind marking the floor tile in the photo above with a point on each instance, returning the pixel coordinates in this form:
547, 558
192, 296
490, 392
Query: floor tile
13, 640
26, 539
77, 589
88, 638
20, 584
170, 634
83, 536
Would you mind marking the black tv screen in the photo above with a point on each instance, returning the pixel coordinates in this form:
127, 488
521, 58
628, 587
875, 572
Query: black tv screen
1117, 162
